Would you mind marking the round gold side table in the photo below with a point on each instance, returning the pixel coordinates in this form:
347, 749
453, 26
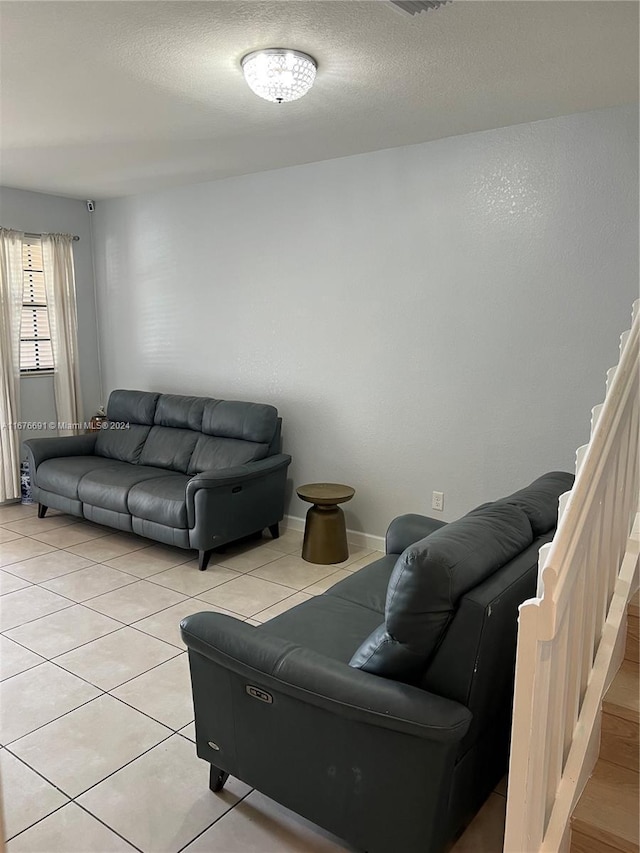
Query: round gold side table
325, 532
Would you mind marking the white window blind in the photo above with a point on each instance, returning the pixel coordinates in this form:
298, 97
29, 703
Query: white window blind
36, 353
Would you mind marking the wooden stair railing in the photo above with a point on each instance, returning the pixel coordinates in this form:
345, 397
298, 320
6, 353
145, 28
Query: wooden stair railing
571, 635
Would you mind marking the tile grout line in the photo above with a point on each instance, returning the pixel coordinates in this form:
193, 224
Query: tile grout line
59, 717
7, 568
219, 818
110, 828
62, 806
3, 631
69, 672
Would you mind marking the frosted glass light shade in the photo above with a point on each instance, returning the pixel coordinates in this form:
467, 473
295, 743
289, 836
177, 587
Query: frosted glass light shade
278, 74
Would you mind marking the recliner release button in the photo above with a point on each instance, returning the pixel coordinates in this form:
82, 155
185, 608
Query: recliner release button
257, 693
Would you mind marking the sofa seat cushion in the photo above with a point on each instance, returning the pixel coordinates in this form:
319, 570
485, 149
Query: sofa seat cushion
63, 474
161, 500
108, 487
368, 586
330, 626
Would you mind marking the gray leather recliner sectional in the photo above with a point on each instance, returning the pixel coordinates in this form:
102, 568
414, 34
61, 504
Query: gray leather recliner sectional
193, 472
381, 709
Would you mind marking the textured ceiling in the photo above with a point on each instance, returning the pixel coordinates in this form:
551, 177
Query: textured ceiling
103, 99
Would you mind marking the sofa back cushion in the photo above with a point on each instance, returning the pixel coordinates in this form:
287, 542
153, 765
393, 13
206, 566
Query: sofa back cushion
234, 433
539, 500
187, 434
169, 447
130, 416
176, 410
213, 453
475, 661
429, 579
256, 422
136, 407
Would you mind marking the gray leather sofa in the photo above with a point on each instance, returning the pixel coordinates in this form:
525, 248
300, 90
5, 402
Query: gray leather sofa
381, 709
187, 471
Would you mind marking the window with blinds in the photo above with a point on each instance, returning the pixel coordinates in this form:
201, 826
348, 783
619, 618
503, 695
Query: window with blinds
36, 353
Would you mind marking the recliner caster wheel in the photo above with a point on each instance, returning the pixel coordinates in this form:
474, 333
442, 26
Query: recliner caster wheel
217, 779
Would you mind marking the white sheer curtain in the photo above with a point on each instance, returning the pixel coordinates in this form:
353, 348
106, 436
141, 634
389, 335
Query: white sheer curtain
60, 287
11, 283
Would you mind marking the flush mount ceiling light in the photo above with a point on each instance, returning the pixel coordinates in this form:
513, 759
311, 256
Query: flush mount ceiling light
279, 74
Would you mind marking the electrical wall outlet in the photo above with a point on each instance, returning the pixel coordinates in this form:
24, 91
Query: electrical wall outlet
437, 501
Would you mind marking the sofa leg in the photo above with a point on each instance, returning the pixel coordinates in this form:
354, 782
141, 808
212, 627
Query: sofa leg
42, 510
203, 559
274, 530
217, 778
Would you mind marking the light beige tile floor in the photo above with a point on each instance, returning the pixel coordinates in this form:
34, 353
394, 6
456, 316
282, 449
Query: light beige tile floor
165, 625
88, 583
72, 534
70, 829
11, 583
110, 661
47, 566
33, 524
28, 604
22, 549
109, 547
134, 601
96, 716
28, 797
185, 579
245, 595
292, 571
62, 631
7, 535
163, 693
15, 659
86, 745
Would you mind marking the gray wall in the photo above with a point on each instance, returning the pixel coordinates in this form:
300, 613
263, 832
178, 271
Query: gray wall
439, 316
40, 213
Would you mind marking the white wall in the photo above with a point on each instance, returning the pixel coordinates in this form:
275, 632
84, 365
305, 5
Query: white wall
438, 316
40, 213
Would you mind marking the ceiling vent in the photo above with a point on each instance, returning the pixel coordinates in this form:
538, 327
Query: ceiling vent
413, 7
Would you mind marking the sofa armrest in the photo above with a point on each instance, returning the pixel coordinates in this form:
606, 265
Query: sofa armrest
40, 449
313, 678
407, 529
220, 477
210, 488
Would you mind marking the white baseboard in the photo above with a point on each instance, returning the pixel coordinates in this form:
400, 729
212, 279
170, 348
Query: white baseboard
354, 537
